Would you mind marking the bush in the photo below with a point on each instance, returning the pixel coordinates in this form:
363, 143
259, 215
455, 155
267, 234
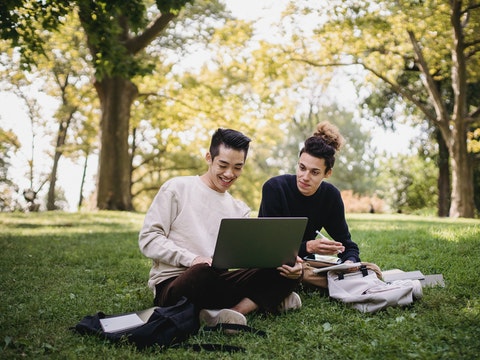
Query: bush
355, 203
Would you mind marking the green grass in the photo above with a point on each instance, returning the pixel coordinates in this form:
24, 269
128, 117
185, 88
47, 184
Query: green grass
58, 267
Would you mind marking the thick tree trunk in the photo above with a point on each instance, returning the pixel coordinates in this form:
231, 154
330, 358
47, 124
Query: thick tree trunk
113, 188
462, 175
462, 178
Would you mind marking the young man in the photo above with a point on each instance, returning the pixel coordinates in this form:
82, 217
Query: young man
179, 235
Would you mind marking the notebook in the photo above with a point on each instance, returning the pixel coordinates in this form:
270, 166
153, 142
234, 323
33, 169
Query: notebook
266, 242
128, 321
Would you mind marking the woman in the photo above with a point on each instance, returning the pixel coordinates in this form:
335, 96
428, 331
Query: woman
306, 194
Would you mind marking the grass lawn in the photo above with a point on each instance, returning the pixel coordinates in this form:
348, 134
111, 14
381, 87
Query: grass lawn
56, 268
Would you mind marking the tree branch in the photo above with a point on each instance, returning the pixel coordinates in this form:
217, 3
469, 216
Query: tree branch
395, 87
404, 93
474, 115
459, 67
473, 51
472, 6
429, 83
137, 43
177, 100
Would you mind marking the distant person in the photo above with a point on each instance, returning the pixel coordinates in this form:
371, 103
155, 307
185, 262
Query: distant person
179, 235
306, 194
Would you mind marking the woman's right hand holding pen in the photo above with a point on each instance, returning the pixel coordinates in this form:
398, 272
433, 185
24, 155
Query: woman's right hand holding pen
324, 246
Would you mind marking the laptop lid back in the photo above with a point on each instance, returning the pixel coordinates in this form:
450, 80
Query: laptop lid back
258, 242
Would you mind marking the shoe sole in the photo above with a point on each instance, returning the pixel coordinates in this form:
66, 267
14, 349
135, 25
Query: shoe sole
225, 316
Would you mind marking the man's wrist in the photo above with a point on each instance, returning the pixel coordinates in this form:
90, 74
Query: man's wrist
307, 247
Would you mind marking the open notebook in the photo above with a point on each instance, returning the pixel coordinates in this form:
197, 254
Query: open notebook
126, 321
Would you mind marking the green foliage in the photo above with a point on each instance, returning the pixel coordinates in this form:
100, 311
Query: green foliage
56, 268
106, 30
355, 163
173, 6
174, 121
20, 21
106, 23
9, 145
408, 183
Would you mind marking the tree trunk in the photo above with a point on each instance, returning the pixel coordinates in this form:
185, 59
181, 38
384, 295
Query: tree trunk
82, 183
62, 134
113, 189
462, 177
132, 155
443, 181
53, 180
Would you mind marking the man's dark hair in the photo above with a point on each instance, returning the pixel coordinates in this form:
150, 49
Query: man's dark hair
231, 139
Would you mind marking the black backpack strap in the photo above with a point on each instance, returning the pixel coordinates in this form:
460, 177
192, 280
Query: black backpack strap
236, 327
364, 270
222, 347
210, 347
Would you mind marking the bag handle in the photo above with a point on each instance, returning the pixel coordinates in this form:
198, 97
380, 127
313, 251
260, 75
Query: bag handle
363, 269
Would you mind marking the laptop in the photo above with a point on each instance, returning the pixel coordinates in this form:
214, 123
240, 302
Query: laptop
266, 242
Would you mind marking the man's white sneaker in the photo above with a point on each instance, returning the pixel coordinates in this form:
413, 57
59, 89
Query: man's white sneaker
222, 316
291, 302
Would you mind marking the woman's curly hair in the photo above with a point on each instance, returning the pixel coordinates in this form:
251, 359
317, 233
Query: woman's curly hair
324, 143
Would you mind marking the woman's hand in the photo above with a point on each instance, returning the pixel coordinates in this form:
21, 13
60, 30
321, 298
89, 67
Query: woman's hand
292, 272
324, 247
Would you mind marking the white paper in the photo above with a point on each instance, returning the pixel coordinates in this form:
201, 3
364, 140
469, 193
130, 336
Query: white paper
122, 322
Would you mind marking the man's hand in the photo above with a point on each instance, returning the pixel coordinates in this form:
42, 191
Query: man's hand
324, 247
292, 272
201, 260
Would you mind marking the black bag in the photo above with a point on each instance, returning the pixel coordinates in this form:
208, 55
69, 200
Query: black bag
167, 326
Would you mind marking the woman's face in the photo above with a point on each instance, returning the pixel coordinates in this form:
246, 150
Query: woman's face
310, 174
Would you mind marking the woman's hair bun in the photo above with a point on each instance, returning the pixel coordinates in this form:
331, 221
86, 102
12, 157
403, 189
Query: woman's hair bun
330, 134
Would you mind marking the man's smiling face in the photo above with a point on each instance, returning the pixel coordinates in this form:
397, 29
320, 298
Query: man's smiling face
224, 169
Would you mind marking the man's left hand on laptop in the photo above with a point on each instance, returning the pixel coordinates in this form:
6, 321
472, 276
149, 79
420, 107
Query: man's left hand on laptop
292, 272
